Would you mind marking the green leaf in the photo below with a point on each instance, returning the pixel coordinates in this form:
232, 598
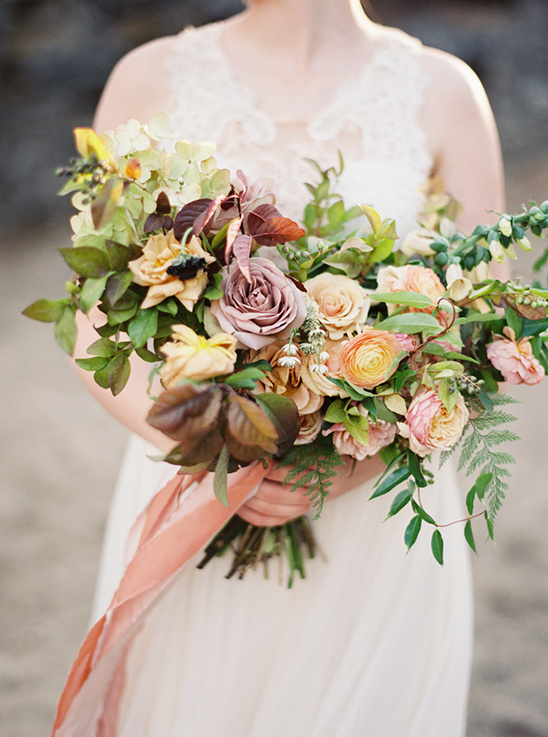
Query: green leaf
143, 327
92, 364
102, 347
245, 379
513, 321
448, 394
146, 355
412, 532
118, 373
490, 526
220, 480
383, 413
91, 292
87, 261
437, 546
66, 331
481, 484
421, 512
415, 468
477, 317
469, 536
358, 427
409, 299
387, 483
117, 285
169, 306
335, 412
412, 322
45, 310
400, 501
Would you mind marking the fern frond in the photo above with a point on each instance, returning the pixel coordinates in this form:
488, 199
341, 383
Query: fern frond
478, 455
312, 466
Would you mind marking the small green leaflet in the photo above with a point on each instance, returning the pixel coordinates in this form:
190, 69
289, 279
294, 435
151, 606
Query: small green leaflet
391, 481
408, 299
410, 322
437, 546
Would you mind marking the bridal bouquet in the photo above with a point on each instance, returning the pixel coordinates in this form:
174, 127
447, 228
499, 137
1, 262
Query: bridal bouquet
297, 344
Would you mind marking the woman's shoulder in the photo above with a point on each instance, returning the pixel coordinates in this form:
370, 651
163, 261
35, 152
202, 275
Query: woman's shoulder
139, 84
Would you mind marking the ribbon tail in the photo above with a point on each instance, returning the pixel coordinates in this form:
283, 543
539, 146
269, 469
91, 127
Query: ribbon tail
179, 521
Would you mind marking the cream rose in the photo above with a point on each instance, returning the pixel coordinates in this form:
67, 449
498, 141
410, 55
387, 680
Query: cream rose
343, 304
190, 356
150, 270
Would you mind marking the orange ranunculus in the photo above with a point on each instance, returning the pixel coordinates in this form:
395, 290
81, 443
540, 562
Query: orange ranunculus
370, 358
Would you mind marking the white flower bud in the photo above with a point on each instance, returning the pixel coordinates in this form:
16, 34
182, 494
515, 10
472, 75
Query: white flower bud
524, 243
505, 226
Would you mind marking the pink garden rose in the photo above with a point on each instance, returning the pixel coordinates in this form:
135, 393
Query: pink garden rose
381, 433
430, 426
514, 359
260, 309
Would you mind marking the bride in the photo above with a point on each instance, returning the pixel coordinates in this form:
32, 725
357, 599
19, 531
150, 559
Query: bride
373, 642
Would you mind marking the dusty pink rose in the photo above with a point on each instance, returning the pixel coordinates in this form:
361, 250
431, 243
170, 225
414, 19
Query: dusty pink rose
430, 426
514, 359
381, 433
262, 309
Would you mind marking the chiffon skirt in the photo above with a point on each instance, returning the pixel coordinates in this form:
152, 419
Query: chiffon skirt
373, 643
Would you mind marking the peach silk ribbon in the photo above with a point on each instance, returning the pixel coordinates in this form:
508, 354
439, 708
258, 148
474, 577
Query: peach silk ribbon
180, 519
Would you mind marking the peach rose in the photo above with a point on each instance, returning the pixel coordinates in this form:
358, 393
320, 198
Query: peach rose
370, 358
515, 359
430, 426
411, 278
422, 280
150, 270
381, 433
318, 381
190, 356
284, 380
343, 304
310, 428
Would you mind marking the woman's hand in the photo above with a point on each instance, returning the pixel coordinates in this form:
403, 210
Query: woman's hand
274, 503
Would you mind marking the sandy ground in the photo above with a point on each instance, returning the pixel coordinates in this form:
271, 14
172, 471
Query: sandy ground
59, 457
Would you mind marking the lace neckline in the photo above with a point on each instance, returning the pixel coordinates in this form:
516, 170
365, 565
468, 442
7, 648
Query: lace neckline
387, 42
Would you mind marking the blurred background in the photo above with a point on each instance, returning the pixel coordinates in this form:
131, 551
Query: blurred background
59, 451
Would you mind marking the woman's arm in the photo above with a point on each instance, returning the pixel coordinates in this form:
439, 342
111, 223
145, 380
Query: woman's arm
135, 89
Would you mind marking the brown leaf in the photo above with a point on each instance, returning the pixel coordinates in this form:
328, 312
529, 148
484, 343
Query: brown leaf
187, 412
248, 432
201, 451
526, 311
187, 216
268, 227
283, 413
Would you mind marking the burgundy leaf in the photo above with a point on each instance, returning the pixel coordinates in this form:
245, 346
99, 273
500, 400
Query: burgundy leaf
276, 230
187, 216
232, 232
242, 250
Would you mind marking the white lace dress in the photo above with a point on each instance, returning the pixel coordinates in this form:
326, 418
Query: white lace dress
374, 643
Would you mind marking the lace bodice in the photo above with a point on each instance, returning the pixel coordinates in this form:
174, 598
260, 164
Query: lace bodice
373, 119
